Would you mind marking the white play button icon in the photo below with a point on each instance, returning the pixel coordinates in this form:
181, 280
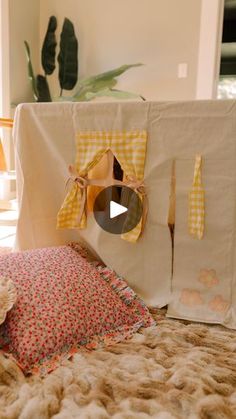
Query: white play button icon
116, 209
114, 217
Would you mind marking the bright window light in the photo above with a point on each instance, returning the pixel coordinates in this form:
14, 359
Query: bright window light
227, 87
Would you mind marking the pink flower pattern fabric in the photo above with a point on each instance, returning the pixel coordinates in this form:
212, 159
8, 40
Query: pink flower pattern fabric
65, 302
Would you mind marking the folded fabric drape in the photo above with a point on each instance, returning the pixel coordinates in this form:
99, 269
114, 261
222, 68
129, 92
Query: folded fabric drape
172, 197
129, 148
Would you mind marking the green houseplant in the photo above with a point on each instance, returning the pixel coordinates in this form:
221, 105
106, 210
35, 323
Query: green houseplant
86, 89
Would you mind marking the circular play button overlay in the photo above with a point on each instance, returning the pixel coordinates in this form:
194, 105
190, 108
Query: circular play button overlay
117, 209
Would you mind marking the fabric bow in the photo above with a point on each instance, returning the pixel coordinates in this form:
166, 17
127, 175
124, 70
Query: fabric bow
81, 183
139, 187
135, 184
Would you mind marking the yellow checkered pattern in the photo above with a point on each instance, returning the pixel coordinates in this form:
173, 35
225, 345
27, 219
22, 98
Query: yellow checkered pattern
131, 218
197, 202
129, 147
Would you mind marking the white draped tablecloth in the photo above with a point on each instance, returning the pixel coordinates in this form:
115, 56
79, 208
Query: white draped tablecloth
201, 284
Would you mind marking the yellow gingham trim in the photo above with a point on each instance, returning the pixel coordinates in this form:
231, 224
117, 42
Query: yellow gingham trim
129, 147
197, 202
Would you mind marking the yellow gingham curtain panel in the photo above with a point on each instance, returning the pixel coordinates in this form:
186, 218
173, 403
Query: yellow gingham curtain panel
197, 202
129, 147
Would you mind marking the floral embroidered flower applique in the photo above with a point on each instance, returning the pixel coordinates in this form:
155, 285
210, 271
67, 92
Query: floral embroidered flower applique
219, 304
191, 297
208, 277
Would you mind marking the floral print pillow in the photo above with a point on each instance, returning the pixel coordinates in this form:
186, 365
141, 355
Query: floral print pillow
65, 302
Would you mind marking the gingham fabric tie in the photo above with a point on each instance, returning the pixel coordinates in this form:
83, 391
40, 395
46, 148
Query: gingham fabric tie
139, 187
197, 202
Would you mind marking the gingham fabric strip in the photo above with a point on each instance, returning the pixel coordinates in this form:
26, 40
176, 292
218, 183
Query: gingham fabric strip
129, 148
197, 202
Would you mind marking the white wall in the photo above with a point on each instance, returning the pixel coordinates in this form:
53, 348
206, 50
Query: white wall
24, 25
211, 26
5, 187
19, 20
159, 33
4, 58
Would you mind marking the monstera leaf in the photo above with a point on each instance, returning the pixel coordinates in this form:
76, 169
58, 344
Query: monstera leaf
104, 82
86, 97
43, 89
31, 71
116, 94
93, 89
48, 53
68, 57
108, 75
